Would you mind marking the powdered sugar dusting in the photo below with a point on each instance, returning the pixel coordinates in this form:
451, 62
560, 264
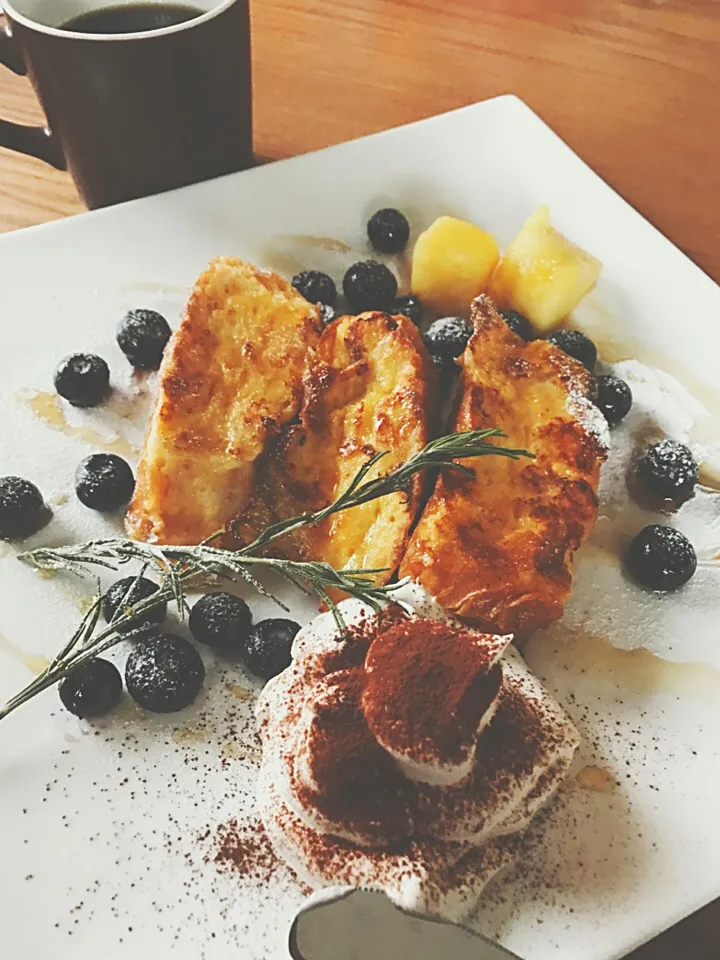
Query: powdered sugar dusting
604, 601
590, 418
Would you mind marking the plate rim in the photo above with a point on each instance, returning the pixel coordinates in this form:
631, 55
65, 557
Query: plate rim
509, 103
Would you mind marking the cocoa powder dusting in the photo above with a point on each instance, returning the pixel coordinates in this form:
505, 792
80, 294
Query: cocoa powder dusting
245, 849
357, 780
428, 685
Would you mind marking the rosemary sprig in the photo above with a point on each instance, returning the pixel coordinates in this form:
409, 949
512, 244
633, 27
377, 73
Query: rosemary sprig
86, 644
180, 567
442, 452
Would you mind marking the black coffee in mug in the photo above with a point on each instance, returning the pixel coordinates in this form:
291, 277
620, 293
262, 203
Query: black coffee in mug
133, 18
139, 97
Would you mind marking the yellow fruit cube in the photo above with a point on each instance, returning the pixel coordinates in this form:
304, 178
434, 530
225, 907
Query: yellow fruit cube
543, 275
451, 264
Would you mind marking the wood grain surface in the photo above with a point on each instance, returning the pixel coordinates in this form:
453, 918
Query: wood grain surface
633, 87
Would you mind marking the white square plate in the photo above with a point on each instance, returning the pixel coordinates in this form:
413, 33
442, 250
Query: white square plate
105, 842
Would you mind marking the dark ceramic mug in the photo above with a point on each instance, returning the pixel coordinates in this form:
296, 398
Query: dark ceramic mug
130, 114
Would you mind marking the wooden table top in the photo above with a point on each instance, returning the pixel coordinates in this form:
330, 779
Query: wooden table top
632, 86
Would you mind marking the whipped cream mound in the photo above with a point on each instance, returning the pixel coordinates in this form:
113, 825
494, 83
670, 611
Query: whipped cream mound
408, 755
605, 602
432, 741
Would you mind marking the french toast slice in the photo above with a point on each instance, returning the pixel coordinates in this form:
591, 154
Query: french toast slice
364, 391
230, 378
496, 548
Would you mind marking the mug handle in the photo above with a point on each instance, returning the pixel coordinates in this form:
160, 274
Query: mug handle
33, 141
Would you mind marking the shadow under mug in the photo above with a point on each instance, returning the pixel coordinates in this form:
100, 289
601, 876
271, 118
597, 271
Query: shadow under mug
131, 114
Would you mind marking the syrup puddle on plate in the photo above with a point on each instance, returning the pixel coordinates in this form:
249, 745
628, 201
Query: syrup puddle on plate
588, 654
240, 692
231, 751
709, 477
596, 779
197, 733
48, 409
35, 662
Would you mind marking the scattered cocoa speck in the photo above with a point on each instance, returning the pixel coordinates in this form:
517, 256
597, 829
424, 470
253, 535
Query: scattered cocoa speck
245, 849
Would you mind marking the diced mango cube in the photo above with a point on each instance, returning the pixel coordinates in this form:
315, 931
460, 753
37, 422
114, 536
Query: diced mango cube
543, 275
451, 264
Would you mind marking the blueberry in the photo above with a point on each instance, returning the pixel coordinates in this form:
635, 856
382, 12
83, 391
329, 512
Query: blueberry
104, 482
369, 285
614, 398
445, 368
222, 621
576, 345
164, 673
83, 379
519, 324
22, 509
268, 646
327, 313
316, 287
661, 558
388, 230
410, 307
668, 470
448, 337
91, 689
142, 336
120, 593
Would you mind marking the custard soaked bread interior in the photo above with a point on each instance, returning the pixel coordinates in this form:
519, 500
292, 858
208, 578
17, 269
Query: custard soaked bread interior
364, 391
231, 377
496, 547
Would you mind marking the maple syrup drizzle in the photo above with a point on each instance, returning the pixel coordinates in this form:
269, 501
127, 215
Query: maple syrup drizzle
35, 662
48, 409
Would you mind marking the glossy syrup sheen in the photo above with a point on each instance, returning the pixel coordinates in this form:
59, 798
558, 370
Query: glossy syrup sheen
133, 18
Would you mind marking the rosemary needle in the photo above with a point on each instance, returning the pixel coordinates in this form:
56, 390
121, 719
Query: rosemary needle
181, 567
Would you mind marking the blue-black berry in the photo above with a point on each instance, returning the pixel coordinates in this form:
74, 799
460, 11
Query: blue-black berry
408, 306
448, 337
83, 379
316, 287
92, 689
222, 621
388, 230
576, 345
22, 509
268, 646
668, 470
614, 398
126, 593
519, 324
445, 369
164, 673
104, 482
661, 558
142, 336
369, 285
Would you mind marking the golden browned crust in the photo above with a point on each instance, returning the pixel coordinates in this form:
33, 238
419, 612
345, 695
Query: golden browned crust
231, 377
364, 391
496, 548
